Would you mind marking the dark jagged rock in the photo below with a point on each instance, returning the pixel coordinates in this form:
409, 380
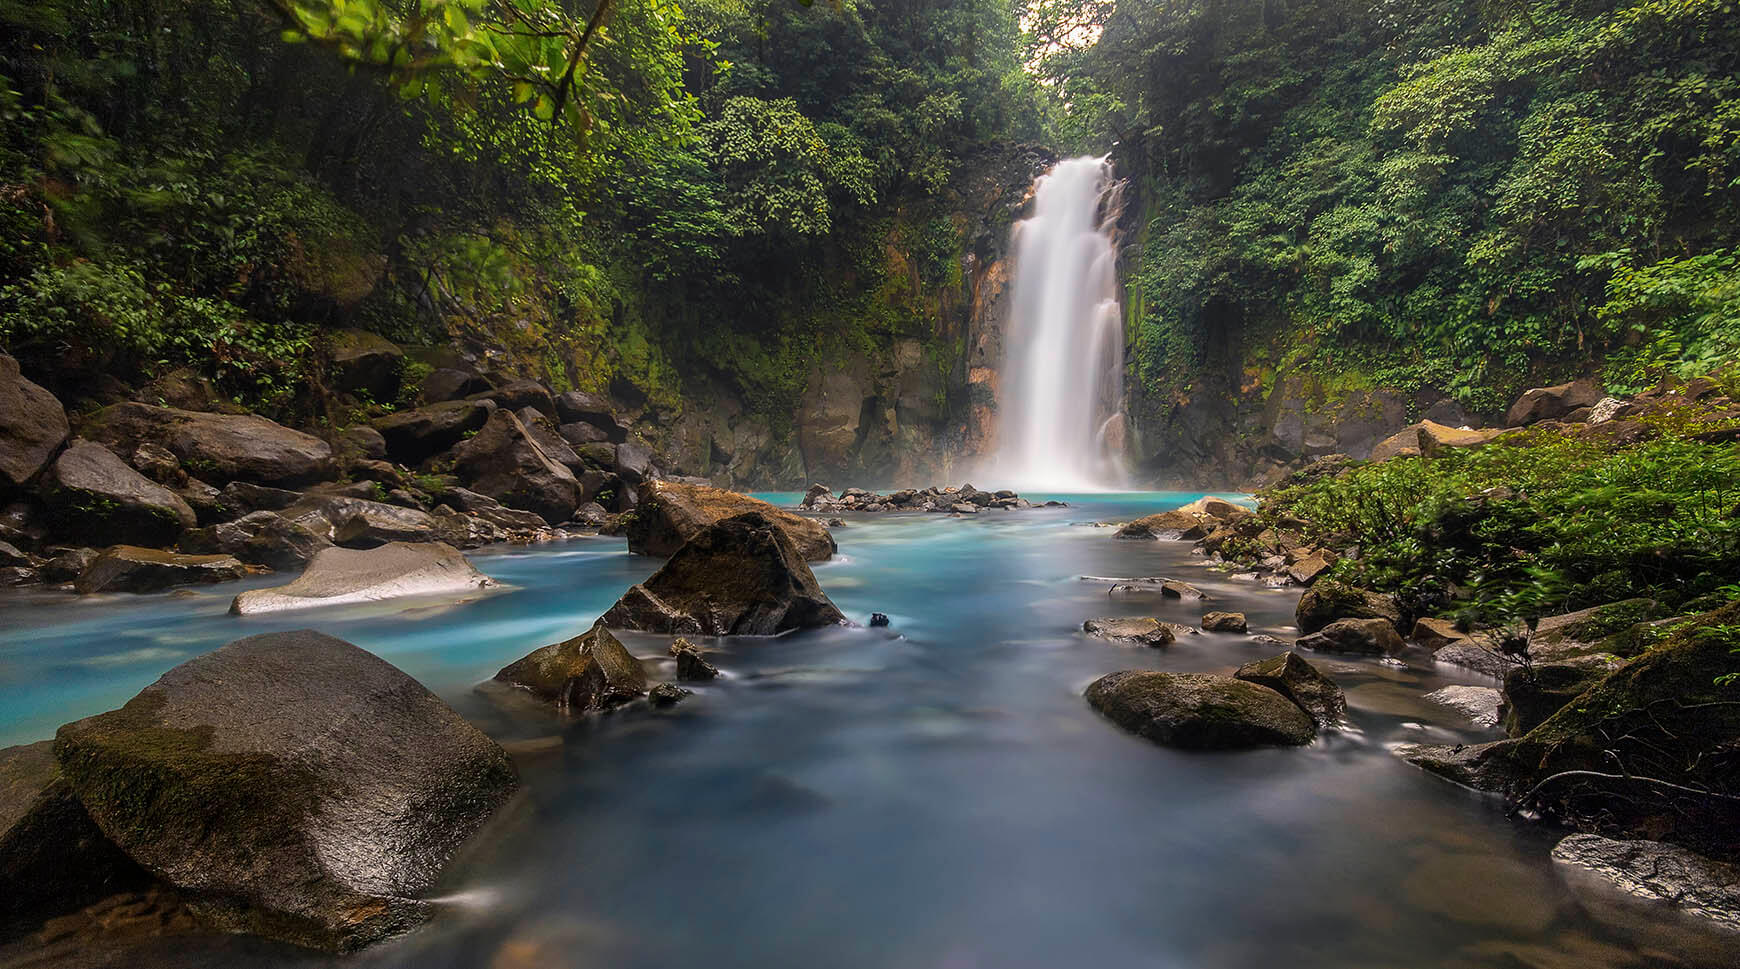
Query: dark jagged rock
965, 500
740, 576
128, 568
414, 436
1138, 630
517, 394
1224, 622
1370, 637
1629, 757
633, 461
670, 514
878, 619
668, 695
553, 444
96, 497
365, 362
445, 384
592, 671
1329, 600
52, 856
158, 463
32, 426
243, 497
1549, 403
505, 462
1174, 589
68, 565
1199, 710
261, 538
290, 785
242, 447
1299, 681
1535, 692
691, 664
343, 575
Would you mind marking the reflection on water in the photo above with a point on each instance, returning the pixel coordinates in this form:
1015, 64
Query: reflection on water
936, 794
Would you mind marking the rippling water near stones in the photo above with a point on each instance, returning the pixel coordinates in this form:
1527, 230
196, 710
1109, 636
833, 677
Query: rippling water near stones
935, 793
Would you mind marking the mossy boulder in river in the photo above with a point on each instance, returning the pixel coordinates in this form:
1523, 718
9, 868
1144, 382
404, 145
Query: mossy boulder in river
290, 785
670, 514
592, 671
1299, 681
737, 577
1200, 710
1330, 600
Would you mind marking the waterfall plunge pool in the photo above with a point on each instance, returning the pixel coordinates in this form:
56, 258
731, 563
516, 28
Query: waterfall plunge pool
935, 795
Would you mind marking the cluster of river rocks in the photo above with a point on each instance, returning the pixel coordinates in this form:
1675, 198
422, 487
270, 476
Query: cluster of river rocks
965, 500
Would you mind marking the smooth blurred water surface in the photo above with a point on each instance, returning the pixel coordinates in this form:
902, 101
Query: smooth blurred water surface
935, 795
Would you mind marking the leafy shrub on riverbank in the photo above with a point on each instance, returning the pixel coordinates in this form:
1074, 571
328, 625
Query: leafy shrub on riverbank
1538, 524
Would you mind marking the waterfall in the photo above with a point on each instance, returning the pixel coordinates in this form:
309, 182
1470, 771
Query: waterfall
1060, 396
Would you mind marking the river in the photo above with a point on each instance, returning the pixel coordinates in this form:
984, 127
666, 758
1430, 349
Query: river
933, 795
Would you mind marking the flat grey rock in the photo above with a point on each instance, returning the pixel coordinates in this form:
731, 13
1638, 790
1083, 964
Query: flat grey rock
1660, 871
344, 575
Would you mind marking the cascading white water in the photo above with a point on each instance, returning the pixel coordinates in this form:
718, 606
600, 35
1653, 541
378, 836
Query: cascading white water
1060, 395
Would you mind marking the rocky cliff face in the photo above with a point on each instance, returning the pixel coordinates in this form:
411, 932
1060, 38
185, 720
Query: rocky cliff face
911, 411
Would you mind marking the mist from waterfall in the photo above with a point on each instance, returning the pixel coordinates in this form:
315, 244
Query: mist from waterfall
1060, 395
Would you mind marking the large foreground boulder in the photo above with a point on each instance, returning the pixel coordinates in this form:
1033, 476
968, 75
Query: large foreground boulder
1199, 710
289, 785
52, 857
737, 577
505, 462
592, 671
129, 568
670, 514
32, 426
345, 575
219, 446
96, 497
1299, 681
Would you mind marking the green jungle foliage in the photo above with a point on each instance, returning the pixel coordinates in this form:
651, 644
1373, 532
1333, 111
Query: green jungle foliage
1472, 195
603, 194
1536, 524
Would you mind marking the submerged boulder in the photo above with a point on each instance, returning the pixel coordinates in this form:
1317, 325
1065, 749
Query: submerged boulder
1199, 710
225, 446
344, 575
670, 514
97, 497
738, 577
290, 785
505, 462
691, 663
1135, 630
52, 857
129, 568
592, 671
1292, 677
261, 538
32, 426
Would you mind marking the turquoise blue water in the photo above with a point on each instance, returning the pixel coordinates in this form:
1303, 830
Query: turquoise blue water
935, 794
